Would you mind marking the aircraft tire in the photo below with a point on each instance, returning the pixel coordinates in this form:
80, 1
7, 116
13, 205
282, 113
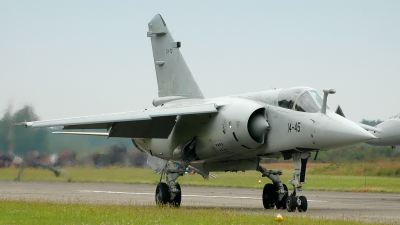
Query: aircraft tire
291, 203
269, 196
303, 204
162, 194
282, 204
176, 202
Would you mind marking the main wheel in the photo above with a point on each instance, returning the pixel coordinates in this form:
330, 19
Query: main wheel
162, 194
282, 204
303, 204
269, 196
291, 203
178, 197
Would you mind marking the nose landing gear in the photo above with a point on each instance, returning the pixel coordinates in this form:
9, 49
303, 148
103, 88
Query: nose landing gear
277, 194
294, 201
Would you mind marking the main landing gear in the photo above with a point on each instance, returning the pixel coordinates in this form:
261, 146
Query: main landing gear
170, 192
163, 195
277, 194
274, 194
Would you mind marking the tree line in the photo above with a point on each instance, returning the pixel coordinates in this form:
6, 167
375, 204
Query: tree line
21, 140
18, 138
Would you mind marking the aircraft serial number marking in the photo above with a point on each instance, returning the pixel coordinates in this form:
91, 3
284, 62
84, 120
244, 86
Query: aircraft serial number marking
295, 128
168, 51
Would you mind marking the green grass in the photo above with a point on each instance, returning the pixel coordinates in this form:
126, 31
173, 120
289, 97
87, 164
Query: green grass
20, 212
247, 179
382, 167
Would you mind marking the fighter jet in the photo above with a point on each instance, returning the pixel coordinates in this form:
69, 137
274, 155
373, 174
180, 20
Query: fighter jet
389, 134
231, 133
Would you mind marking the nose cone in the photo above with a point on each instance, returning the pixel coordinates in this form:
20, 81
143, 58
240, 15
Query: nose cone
341, 132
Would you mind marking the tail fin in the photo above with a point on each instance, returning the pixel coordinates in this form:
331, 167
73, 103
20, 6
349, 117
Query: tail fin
173, 76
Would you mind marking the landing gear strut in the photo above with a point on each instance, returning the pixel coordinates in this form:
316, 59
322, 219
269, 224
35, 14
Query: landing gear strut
170, 192
294, 201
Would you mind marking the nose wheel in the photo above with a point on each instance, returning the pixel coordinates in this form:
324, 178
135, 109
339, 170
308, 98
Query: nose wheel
294, 202
302, 204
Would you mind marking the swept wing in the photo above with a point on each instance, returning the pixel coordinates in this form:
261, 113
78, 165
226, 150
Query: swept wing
150, 123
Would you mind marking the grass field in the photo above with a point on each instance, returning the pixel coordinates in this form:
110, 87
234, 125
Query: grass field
249, 179
382, 167
20, 212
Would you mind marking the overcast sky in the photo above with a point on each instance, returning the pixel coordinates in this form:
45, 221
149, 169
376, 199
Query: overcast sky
75, 58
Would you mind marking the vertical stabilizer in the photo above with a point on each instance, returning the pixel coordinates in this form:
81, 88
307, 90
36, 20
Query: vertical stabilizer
173, 76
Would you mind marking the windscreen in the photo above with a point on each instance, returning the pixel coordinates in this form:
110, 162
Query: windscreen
287, 97
306, 103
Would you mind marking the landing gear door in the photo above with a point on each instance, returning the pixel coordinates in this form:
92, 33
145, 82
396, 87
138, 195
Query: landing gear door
157, 164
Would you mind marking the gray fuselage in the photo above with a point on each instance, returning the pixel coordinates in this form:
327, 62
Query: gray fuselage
225, 136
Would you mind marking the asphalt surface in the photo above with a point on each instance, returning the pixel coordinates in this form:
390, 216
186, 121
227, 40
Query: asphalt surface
371, 207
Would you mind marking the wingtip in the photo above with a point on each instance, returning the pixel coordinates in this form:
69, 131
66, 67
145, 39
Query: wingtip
26, 124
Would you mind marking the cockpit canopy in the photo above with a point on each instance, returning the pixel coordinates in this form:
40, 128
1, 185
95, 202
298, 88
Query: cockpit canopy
301, 99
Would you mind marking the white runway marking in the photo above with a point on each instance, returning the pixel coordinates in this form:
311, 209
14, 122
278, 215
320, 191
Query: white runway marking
199, 196
138, 193
115, 192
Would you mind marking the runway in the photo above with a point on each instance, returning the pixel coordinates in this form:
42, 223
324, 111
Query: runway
371, 207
